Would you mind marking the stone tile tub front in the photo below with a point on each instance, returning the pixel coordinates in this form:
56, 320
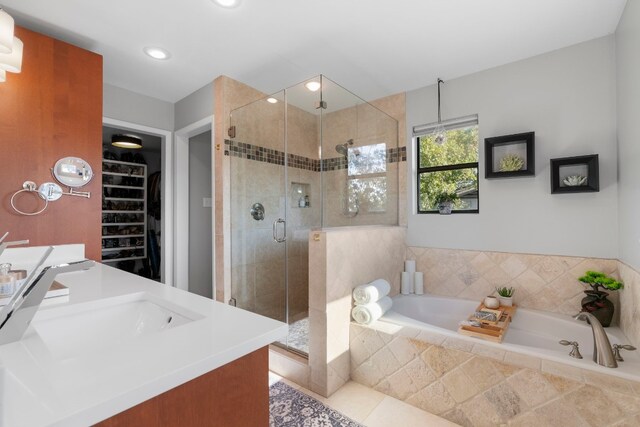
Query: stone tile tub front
527, 380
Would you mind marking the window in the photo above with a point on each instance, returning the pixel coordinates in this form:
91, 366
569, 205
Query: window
367, 178
449, 167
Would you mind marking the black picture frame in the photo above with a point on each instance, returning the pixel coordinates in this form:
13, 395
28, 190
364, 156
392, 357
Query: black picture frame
587, 163
493, 146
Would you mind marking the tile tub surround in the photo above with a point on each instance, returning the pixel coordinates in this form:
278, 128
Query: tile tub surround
475, 385
542, 282
339, 260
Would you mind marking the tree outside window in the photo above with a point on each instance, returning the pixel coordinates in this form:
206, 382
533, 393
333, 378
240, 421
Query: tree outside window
450, 167
367, 179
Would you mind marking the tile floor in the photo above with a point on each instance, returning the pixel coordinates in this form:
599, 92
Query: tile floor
372, 408
298, 337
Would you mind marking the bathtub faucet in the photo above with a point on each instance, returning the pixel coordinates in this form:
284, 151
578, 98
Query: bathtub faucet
602, 353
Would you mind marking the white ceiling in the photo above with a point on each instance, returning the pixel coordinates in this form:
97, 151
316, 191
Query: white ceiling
372, 47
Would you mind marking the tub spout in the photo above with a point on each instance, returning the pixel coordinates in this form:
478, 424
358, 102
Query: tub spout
602, 353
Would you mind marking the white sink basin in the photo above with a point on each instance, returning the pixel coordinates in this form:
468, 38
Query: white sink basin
73, 330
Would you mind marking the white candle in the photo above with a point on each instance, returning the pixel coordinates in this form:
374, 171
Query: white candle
406, 286
418, 282
410, 266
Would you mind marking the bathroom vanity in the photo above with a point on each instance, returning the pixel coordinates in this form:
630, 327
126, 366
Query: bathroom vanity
123, 350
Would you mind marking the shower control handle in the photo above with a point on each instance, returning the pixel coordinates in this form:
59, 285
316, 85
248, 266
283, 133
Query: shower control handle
275, 231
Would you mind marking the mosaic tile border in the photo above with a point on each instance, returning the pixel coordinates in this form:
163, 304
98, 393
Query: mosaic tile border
268, 155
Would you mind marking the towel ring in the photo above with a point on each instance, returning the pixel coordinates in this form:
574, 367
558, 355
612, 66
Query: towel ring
49, 191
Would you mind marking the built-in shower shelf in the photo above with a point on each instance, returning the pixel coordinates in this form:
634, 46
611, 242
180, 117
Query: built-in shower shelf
300, 190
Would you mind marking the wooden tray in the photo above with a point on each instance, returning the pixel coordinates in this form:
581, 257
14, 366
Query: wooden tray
490, 331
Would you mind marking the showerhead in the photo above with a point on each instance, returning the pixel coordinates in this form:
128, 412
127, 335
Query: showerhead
343, 148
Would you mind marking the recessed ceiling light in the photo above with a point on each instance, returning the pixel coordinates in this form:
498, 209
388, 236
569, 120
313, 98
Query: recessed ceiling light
227, 3
272, 100
157, 53
313, 86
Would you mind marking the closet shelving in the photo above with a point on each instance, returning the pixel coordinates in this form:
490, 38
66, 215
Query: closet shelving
124, 211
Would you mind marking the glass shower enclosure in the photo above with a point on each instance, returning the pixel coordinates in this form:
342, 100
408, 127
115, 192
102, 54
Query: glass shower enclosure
308, 157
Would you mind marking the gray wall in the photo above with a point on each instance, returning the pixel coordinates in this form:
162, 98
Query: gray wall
628, 73
122, 104
568, 97
194, 107
200, 218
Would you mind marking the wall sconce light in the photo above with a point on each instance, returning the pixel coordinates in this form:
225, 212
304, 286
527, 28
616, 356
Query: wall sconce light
10, 47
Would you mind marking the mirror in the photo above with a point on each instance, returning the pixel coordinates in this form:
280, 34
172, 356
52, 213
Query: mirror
73, 172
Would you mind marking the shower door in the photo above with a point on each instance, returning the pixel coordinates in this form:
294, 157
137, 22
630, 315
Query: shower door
256, 149
276, 199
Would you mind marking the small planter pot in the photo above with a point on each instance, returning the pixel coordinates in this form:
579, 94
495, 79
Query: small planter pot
491, 302
445, 208
506, 301
596, 303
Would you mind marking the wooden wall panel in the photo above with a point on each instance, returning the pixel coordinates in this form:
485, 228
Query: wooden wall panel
51, 110
234, 395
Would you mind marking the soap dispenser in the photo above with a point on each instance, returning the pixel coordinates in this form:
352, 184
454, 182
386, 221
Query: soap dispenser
7, 281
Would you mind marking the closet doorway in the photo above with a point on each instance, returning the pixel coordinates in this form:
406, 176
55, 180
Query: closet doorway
194, 209
133, 200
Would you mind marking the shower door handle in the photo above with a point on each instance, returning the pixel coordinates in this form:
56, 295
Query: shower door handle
275, 230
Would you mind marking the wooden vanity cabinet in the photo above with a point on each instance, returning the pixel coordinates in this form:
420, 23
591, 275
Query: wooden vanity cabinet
234, 395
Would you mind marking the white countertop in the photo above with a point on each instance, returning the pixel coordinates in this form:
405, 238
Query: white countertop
84, 389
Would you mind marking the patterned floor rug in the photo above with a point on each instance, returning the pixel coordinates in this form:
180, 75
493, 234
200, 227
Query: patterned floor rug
289, 407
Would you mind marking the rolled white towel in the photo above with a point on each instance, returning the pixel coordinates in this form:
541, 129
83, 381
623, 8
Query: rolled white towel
369, 313
371, 292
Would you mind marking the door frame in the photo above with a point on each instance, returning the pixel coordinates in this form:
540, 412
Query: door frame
166, 213
181, 211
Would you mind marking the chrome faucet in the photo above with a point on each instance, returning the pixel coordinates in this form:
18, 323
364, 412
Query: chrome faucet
16, 316
602, 353
4, 245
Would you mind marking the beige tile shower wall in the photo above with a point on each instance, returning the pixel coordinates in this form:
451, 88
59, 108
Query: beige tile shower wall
542, 282
474, 385
339, 260
257, 261
262, 123
630, 303
300, 221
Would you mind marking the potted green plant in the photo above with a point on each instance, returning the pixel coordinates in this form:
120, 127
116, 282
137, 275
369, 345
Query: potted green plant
505, 295
444, 202
596, 301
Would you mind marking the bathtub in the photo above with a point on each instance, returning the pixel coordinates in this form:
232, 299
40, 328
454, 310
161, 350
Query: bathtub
534, 333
